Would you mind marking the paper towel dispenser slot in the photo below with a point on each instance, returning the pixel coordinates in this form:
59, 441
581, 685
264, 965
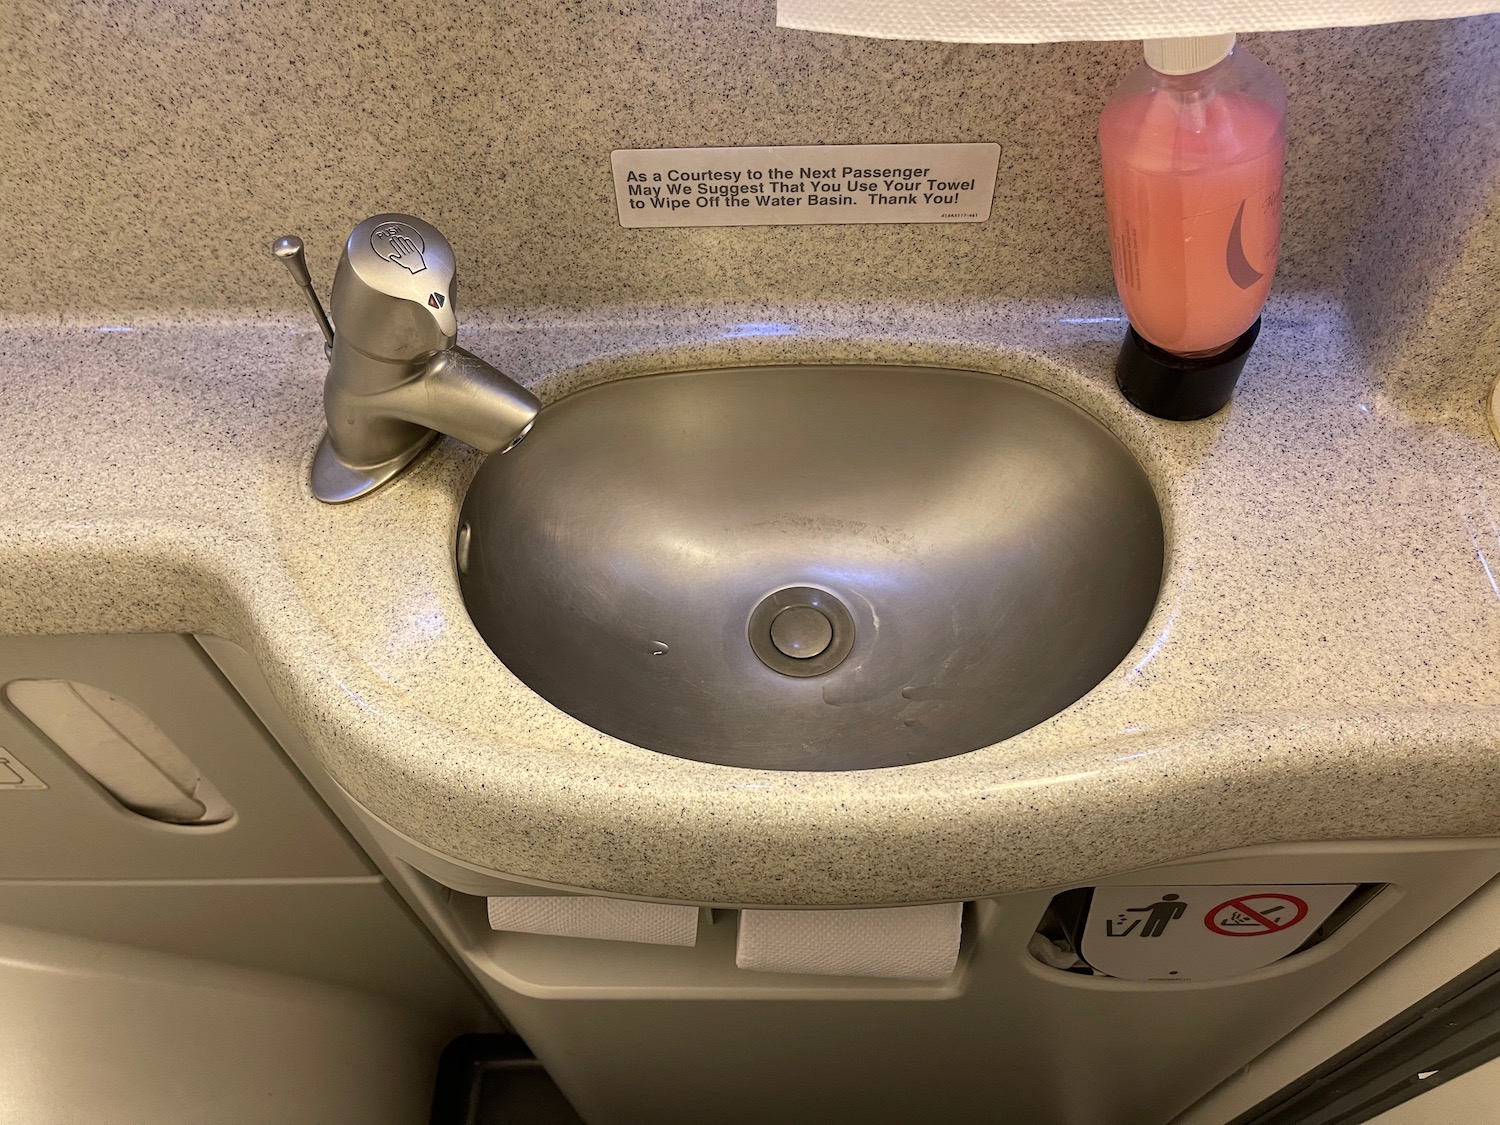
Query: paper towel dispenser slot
901, 943
544, 963
1190, 933
122, 750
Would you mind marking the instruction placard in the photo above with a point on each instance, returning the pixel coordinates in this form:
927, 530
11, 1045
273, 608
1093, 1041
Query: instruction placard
1202, 932
794, 184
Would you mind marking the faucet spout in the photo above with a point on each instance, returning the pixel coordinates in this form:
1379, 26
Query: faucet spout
461, 395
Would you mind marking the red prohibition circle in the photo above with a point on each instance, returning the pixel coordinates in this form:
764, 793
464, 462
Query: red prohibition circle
1271, 926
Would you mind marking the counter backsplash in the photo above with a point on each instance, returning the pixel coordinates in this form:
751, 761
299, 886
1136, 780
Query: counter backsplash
155, 148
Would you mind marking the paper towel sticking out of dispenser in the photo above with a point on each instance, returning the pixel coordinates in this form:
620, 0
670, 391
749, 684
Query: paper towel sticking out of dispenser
128, 755
899, 942
594, 916
1046, 21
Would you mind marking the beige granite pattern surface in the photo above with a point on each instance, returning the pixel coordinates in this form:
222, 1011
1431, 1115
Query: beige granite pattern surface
154, 149
1321, 664
1421, 290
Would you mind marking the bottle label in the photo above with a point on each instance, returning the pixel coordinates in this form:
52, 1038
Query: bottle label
1126, 246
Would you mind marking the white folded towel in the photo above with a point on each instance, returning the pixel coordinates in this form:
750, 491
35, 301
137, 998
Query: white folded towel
591, 916
908, 942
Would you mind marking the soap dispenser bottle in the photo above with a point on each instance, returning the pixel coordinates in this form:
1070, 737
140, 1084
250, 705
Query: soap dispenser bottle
1193, 145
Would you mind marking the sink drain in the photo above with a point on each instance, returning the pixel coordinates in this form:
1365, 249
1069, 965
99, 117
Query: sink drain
801, 631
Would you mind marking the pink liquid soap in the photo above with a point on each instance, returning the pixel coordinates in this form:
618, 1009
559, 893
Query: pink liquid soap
1192, 185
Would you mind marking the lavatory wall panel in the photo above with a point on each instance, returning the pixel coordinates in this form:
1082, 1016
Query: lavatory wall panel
156, 149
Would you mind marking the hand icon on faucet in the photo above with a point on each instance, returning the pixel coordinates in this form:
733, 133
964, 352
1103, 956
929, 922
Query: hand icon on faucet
401, 244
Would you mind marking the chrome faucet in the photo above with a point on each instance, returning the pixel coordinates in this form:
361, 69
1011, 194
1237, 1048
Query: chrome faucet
395, 377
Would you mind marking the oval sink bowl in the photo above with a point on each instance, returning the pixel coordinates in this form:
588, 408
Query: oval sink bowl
812, 568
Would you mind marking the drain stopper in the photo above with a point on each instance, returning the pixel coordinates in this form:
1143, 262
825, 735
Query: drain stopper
801, 632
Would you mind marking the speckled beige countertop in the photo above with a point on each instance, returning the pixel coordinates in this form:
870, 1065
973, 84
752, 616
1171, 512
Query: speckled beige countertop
1322, 664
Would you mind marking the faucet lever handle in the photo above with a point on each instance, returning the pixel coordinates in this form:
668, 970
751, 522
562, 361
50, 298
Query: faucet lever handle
289, 249
396, 278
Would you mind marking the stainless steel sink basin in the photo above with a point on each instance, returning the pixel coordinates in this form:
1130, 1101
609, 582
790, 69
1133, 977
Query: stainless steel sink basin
812, 568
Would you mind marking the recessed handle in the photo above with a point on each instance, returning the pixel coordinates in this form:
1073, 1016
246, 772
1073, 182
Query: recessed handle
128, 755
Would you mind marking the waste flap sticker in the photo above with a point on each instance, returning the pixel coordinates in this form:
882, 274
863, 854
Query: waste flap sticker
1255, 915
13, 775
1180, 933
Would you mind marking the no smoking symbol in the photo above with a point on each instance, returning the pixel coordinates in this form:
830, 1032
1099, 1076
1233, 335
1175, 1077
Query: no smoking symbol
1255, 915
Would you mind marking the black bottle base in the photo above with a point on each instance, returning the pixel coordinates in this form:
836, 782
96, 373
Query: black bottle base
1181, 390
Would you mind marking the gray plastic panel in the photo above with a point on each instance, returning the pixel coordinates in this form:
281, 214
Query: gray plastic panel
350, 932
1016, 1044
94, 1034
73, 830
1453, 948
1471, 1098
